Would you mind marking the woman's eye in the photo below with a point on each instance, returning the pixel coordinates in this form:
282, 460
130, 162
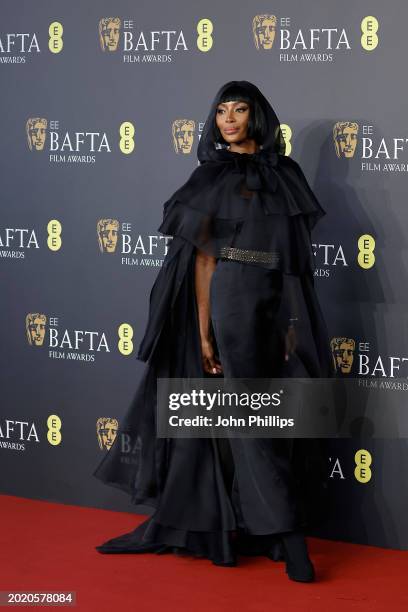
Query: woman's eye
241, 108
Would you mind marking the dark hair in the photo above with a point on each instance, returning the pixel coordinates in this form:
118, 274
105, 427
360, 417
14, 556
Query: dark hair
257, 128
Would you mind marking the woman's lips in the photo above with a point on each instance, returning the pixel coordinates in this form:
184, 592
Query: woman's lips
231, 131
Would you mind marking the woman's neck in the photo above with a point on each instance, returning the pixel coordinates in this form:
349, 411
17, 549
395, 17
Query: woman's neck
246, 146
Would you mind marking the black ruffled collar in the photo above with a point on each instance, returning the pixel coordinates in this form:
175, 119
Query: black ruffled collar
258, 168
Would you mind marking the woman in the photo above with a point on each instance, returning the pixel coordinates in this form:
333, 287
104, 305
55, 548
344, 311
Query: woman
233, 298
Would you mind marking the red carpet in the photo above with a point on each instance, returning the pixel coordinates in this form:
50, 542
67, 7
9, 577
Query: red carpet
48, 546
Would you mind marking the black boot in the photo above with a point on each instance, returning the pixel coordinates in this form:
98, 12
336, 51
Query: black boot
298, 564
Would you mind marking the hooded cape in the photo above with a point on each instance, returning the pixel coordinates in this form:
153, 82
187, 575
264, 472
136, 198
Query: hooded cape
258, 201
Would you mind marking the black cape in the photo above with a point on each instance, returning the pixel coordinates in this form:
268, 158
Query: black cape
207, 213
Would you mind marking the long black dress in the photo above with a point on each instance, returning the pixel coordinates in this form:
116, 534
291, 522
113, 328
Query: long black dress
219, 497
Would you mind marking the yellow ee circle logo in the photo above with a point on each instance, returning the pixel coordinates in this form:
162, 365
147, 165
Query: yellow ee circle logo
54, 426
55, 42
127, 141
54, 235
369, 28
204, 38
125, 333
363, 460
366, 246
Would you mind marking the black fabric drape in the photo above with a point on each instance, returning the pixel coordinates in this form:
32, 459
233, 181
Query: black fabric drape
262, 202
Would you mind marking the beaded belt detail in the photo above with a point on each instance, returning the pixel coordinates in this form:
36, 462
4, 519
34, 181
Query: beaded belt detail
247, 255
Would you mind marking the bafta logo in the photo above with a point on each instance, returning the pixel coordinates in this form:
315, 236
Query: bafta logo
106, 430
183, 135
263, 30
35, 328
109, 32
36, 130
343, 354
107, 231
345, 138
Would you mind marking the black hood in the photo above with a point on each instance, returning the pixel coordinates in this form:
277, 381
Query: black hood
274, 142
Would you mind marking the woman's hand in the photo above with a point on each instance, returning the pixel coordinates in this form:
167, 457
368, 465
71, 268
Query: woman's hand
211, 364
290, 342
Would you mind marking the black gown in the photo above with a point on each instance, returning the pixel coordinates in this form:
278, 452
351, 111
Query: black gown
216, 498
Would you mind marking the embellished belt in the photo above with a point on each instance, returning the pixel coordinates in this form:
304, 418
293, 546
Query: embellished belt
247, 255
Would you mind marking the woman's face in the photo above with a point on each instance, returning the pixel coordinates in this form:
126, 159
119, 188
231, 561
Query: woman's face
232, 120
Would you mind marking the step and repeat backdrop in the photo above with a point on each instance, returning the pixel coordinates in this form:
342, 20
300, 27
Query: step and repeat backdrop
102, 109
